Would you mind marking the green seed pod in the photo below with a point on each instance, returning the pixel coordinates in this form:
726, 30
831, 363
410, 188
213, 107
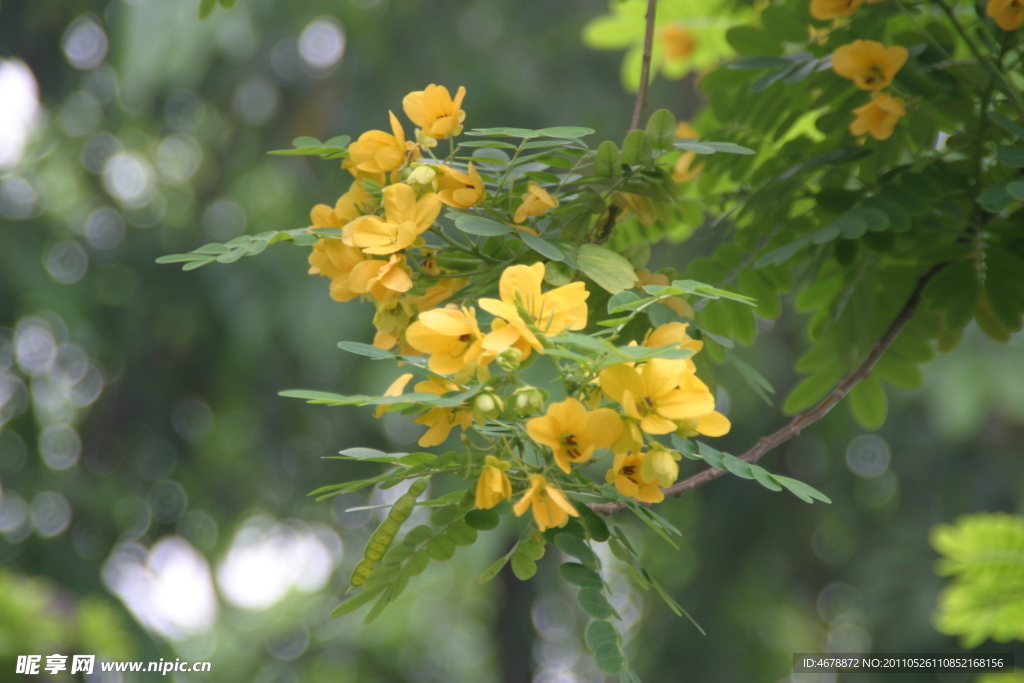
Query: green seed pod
381, 539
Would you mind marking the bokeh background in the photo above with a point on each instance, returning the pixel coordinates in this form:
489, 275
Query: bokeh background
154, 485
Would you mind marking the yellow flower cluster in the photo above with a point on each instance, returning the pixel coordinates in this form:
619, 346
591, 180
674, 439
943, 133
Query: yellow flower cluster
872, 66
371, 255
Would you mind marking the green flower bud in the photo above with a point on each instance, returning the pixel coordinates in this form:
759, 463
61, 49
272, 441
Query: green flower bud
487, 405
509, 359
528, 400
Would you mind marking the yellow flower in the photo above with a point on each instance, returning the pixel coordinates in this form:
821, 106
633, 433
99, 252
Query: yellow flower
434, 110
712, 424
676, 303
868, 63
391, 319
830, 9
684, 169
494, 485
631, 440
878, 117
459, 190
535, 202
405, 219
625, 474
573, 433
660, 466
657, 394
550, 508
378, 152
334, 259
450, 336
674, 334
384, 280
1008, 14
436, 294
551, 312
441, 420
396, 389
679, 43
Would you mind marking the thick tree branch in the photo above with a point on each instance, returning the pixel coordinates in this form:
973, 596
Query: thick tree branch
645, 69
812, 415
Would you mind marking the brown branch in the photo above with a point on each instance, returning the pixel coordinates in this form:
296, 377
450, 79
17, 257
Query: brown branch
812, 415
645, 69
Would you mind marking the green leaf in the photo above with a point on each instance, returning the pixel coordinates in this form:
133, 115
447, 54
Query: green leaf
599, 633
869, 403
611, 271
606, 161
365, 350
801, 490
608, 657
1016, 190
461, 533
1007, 125
493, 569
205, 7
662, 129
441, 548
595, 605
617, 303
566, 131
748, 40
759, 62
637, 148
227, 4
578, 548
541, 246
478, 225
417, 535
533, 550
812, 389
765, 478
581, 576
728, 148
596, 526
482, 520
523, 567
1010, 156
444, 516
354, 603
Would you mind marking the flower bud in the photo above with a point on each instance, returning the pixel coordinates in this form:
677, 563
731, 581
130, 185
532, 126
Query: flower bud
509, 359
528, 400
422, 175
487, 405
686, 428
660, 466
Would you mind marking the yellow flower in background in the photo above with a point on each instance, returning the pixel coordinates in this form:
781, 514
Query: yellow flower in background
450, 336
678, 42
878, 117
660, 465
460, 190
550, 508
625, 475
405, 219
493, 486
385, 280
868, 63
1008, 14
674, 334
535, 202
573, 433
378, 152
636, 205
631, 440
441, 420
712, 424
323, 216
395, 389
334, 259
684, 169
551, 312
831, 9
676, 303
656, 394
434, 110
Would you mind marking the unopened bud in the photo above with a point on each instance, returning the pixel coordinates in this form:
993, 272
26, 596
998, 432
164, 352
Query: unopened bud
509, 359
486, 406
422, 175
660, 466
686, 428
528, 400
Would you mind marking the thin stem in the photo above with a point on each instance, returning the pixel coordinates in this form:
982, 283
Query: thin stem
808, 417
645, 68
